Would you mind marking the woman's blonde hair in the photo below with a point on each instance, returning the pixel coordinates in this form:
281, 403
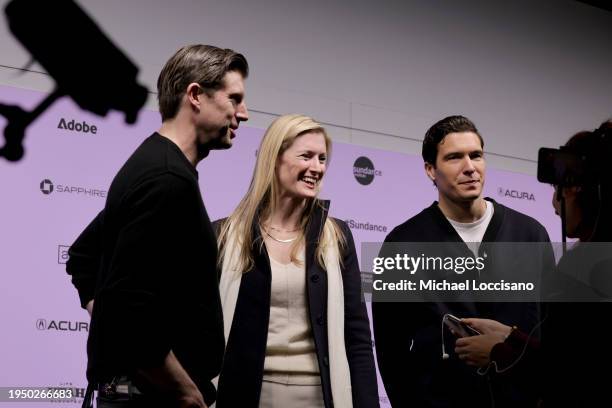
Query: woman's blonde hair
261, 198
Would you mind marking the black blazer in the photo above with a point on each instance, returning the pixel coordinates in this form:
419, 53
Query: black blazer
242, 372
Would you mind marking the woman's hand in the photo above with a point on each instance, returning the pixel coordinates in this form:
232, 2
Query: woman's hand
476, 350
488, 326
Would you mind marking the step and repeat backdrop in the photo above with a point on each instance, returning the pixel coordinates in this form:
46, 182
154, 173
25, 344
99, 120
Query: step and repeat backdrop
71, 157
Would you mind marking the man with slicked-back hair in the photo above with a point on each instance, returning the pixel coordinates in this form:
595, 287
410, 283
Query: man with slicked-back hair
145, 268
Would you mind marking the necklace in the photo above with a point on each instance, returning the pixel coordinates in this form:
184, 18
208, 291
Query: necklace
282, 230
282, 241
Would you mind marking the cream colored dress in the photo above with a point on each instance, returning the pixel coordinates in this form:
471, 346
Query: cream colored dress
291, 371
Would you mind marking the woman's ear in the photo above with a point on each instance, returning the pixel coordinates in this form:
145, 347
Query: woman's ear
567, 192
572, 191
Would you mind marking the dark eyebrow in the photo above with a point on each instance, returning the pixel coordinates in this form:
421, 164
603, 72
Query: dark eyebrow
237, 96
453, 155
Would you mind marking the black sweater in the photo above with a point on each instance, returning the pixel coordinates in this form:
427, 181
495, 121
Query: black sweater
153, 253
408, 335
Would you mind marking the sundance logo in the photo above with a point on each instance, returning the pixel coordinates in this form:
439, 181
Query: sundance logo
62, 325
47, 187
364, 171
82, 127
358, 225
519, 195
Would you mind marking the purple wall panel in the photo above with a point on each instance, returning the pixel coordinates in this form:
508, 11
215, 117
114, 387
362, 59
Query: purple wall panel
37, 299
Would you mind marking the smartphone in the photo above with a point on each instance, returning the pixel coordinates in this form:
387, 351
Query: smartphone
459, 328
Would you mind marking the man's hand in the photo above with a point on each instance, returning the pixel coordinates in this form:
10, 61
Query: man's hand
192, 399
172, 378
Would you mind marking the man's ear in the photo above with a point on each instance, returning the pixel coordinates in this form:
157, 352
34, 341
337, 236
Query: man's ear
193, 90
430, 170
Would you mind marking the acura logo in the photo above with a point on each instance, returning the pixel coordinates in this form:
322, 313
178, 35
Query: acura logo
41, 324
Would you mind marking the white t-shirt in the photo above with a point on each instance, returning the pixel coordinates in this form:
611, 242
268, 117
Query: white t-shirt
474, 231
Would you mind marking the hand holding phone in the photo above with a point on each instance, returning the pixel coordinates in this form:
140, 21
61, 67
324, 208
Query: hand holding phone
459, 328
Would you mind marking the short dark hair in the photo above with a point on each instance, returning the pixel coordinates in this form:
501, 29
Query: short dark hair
205, 65
436, 133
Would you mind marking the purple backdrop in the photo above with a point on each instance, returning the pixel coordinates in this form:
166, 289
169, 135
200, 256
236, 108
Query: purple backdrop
60, 185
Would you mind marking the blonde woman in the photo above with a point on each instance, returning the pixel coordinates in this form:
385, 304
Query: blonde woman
296, 326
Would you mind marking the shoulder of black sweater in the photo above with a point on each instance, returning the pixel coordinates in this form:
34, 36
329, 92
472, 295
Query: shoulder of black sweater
155, 156
412, 229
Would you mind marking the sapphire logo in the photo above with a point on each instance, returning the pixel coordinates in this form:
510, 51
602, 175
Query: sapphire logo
62, 254
364, 171
519, 195
46, 186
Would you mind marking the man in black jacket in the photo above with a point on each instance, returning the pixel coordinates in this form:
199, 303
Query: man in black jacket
408, 335
148, 260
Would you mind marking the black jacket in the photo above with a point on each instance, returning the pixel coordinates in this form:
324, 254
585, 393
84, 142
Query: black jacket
242, 372
408, 335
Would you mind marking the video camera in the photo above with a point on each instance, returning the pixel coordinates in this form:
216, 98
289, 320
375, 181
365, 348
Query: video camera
562, 167
82, 60
584, 163
568, 167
